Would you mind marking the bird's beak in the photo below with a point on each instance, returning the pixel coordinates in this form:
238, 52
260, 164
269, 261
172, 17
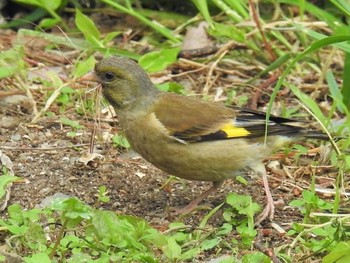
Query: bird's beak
89, 77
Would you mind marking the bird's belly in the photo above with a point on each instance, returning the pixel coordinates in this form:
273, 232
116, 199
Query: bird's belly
201, 161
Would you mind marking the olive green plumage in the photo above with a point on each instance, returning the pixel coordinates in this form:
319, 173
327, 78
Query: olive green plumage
186, 137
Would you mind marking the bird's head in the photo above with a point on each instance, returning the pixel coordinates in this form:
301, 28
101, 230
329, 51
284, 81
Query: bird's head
124, 83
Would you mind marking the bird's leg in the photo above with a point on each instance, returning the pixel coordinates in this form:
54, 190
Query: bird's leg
194, 203
269, 210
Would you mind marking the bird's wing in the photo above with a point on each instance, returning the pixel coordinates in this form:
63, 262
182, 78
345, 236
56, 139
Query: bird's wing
192, 120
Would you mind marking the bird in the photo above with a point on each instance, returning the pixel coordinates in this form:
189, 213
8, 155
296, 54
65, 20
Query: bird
190, 138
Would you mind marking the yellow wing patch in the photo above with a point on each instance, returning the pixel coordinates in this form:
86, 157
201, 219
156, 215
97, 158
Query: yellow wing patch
233, 131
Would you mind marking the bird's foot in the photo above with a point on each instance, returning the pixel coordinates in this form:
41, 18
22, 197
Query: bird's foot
268, 212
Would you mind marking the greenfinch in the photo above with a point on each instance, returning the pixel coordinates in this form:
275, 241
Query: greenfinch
190, 138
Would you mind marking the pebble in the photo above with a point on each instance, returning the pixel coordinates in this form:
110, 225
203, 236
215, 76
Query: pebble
8, 122
15, 137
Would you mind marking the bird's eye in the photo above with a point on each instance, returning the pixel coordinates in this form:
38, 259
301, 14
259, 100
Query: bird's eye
109, 76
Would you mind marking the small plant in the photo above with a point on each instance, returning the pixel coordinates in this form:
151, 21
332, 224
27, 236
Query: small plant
241, 216
73, 124
330, 236
71, 228
50, 7
6, 179
158, 60
72, 231
102, 194
120, 141
311, 203
65, 99
171, 87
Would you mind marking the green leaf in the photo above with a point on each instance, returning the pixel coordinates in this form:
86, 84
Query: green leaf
122, 231
5, 180
71, 134
202, 7
73, 211
320, 13
224, 229
339, 44
120, 141
76, 209
301, 149
309, 196
171, 87
83, 67
247, 234
35, 236
102, 194
63, 99
297, 203
17, 230
339, 254
172, 250
274, 65
346, 81
15, 213
39, 257
180, 236
347, 162
48, 5
71, 123
240, 7
158, 60
48, 22
7, 71
342, 5
208, 216
88, 28
210, 243
68, 90
228, 215
309, 103
241, 180
33, 215
190, 254
106, 226
256, 257
176, 225
51, 5
154, 25
336, 94
241, 203
230, 31
68, 240
110, 36
230, 12
244, 206
11, 61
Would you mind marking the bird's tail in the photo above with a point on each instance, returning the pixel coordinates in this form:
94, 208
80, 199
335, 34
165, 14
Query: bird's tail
321, 136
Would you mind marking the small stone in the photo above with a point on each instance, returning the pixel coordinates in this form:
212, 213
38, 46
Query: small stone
274, 165
8, 122
15, 137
